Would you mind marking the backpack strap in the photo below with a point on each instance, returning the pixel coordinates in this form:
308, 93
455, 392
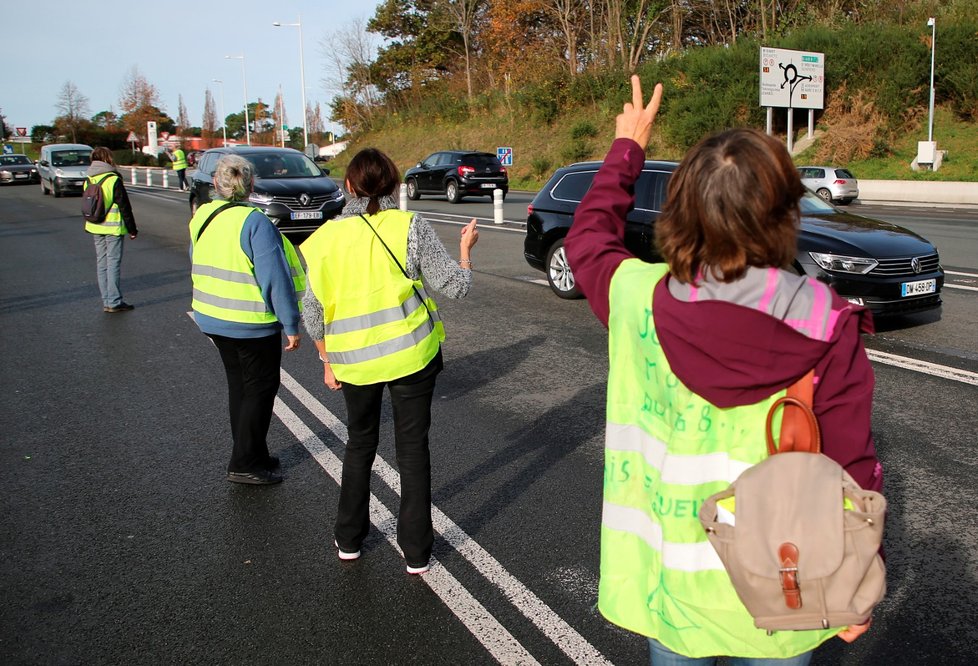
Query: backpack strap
211, 217
799, 426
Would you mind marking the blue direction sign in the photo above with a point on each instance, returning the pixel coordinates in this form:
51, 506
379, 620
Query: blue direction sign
7, 149
505, 155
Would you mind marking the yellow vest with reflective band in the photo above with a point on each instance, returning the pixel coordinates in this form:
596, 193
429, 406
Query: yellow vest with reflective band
667, 450
224, 277
112, 226
179, 160
377, 326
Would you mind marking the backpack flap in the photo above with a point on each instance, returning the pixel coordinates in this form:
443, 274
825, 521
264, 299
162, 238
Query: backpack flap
791, 498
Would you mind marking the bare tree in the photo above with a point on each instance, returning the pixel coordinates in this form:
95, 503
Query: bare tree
349, 53
462, 15
209, 124
139, 101
183, 118
571, 17
73, 107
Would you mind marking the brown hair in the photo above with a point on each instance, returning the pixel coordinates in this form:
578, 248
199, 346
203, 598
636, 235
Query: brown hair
372, 174
732, 203
102, 154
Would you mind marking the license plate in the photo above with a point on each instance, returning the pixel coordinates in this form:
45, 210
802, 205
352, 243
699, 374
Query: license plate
487, 186
21, 175
918, 288
308, 215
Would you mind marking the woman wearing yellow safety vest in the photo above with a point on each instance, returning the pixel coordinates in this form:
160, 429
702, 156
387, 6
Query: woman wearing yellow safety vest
110, 234
248, 285
699, 348
374, 325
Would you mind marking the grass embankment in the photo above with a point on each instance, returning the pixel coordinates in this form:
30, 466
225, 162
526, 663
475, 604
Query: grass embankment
538, 149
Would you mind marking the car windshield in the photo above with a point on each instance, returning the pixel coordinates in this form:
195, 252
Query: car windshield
812, 204
12, 160
68, 158
284, 165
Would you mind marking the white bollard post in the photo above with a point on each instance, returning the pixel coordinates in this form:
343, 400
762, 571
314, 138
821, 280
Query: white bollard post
497, 206
149, 178
403, 202
166, 182
133, 170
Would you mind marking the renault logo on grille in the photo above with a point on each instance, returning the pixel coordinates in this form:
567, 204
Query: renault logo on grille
304, 200
915, 264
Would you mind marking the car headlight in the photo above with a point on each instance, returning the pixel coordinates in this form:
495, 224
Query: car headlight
259, 198
5, 173
338, 196
59, 173
33, 170
841, 264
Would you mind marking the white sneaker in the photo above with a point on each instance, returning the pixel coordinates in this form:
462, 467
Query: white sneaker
344, 555
418, 570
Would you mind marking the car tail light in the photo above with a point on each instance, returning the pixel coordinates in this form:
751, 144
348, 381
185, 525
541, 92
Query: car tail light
503, 169
839, 182
465, 170
529, 209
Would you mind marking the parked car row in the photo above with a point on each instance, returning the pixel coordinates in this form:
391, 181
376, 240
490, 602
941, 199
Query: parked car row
880, 265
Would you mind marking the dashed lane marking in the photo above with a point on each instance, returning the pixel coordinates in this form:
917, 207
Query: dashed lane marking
933, 369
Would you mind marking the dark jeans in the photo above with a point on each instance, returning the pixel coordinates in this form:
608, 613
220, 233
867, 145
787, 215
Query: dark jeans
411, 405
253, 370
182, 176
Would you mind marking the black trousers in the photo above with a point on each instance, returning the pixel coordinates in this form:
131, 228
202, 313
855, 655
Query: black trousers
253, 371
411, 406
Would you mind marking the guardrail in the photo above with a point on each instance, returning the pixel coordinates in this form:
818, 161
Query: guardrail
918, 191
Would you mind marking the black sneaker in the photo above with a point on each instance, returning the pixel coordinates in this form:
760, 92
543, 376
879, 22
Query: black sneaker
262, 477
121, 307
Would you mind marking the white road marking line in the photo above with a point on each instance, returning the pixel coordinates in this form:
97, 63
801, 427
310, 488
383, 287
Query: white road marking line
943, 371
974, 275
959, 286
532, 607
493, 636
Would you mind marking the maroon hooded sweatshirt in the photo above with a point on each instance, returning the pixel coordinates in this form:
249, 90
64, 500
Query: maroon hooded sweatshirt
727, 353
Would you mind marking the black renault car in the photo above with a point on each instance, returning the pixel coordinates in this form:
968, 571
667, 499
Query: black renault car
886, 268
296, 193
457, 173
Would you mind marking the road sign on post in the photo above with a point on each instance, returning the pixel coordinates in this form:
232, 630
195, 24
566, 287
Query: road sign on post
505, 155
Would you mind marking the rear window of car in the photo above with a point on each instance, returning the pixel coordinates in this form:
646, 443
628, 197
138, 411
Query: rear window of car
573, 186
479, 160
843, 173
650, 190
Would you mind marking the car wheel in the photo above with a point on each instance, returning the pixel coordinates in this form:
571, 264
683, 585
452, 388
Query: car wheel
559, 274
452, 193
55, 190
412, 190
824, 194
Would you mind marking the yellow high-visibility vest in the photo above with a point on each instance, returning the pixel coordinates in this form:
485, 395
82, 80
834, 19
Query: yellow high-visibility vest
113, 225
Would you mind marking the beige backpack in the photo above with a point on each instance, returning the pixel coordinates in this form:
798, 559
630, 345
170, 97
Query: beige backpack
799, 538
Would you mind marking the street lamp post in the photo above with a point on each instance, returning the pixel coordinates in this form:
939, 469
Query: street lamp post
244, 81
224, 124
932, 22
302, 78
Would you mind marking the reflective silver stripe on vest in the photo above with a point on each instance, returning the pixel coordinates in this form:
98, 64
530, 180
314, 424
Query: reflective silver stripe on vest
699, 556
687, 470
230, 303
385, 348
224, 274
396, 313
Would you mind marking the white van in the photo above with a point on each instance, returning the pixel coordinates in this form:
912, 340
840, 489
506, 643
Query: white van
63, 167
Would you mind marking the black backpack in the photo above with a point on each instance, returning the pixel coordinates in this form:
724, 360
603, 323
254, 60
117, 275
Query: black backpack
93, 200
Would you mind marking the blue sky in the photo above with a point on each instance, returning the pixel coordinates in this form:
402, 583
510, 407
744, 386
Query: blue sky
179, 47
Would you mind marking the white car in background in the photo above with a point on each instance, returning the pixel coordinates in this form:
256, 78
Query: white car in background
832, 184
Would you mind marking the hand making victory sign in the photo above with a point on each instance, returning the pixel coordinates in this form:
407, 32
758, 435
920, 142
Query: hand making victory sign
636, 120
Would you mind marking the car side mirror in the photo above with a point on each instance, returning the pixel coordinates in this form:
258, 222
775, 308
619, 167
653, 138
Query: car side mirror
324, 170
44, 163
422, 164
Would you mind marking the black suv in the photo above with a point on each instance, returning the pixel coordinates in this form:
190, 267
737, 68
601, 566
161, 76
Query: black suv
457, 173
295, 193
870, 262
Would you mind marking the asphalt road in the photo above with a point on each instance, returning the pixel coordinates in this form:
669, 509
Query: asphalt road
121, 542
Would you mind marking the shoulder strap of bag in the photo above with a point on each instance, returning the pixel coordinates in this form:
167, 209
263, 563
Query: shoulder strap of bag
799, 426
211, 217
397, 263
